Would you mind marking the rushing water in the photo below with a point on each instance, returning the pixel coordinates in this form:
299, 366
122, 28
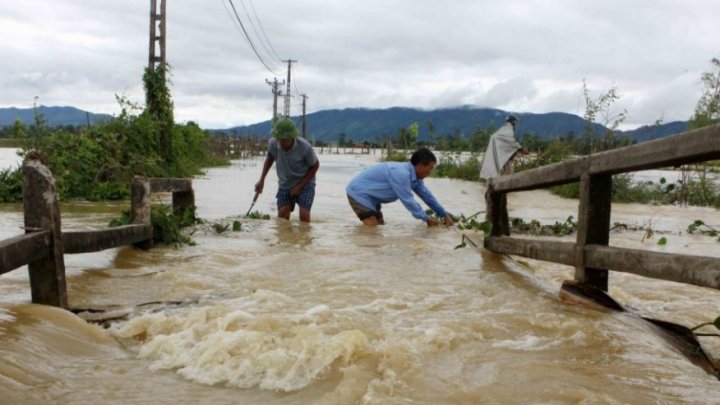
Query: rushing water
335, 313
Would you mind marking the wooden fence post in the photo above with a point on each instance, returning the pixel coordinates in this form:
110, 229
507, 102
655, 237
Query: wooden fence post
42, 212
593, 226
496, 211
140, 206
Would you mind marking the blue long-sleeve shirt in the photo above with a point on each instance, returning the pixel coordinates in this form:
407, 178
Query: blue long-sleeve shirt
388, 182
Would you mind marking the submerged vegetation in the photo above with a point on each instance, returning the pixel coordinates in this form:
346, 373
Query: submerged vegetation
167, 225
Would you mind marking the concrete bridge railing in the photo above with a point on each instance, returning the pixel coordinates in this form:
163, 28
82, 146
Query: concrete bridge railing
44, 244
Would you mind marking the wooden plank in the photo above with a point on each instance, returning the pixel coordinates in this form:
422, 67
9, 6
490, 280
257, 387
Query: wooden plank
170, 185
24, 249
689, 147
549, 251
543, 176
101, 239
697, 270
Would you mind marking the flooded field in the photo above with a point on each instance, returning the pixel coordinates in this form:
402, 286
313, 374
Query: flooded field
335, 313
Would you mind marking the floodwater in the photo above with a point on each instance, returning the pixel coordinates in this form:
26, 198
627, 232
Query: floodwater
335, 313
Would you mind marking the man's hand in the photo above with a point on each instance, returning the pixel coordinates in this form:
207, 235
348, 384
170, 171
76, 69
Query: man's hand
432, 222
295, 191
449, 220
259, 187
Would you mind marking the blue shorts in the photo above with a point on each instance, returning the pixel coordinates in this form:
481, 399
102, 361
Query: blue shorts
304, 200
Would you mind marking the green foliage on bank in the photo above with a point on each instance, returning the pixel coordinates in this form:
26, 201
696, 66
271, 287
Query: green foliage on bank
99, 162
10, 185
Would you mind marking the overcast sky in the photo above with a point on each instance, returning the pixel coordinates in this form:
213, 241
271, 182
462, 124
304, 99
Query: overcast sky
520, 56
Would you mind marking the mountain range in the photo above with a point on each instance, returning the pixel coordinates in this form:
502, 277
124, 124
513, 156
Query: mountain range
363, 124
53, 116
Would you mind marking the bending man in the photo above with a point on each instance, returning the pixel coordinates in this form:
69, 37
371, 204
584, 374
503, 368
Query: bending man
390, 181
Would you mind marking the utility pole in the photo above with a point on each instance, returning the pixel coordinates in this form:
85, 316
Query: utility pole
304, 126
157, 33
287, 91
274, 84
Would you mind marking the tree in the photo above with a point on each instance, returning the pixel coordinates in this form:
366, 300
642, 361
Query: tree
600, 108
159, 106
707, 110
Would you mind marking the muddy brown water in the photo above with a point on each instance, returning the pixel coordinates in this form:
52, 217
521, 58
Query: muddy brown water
335, 313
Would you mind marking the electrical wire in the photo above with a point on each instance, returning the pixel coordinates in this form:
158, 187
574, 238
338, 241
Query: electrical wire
264, 35
249, 40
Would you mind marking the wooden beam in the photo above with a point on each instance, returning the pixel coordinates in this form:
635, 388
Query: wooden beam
697, 270
97, 240
549, 251
689, 147
543, 176
24, 249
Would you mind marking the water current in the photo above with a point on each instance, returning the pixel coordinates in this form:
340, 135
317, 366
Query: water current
336, 313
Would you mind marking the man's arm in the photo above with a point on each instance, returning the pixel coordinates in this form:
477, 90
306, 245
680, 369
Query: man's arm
400, 183
424, 193
269, 160
296, 189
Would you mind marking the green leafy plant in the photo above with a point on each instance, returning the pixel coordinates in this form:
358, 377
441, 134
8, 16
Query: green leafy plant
167, 225
219, 227
700, 227
258, 215
534, 227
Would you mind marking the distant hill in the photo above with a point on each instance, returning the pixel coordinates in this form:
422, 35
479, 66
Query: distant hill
361, 124
364, 124
54, 116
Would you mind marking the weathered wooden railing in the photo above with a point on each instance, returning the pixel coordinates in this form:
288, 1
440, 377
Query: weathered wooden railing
44, 243
590, 254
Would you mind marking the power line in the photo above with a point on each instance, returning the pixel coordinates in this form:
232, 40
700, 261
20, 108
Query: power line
249, 40
264, 41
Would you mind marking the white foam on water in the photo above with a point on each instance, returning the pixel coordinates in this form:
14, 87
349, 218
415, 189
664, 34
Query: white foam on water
221, 344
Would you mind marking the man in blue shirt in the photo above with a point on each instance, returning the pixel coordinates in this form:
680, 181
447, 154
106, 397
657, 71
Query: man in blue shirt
387, 182
296, 166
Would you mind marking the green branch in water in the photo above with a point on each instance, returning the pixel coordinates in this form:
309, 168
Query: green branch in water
715, 323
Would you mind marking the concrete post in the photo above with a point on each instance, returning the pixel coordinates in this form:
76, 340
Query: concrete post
42, 212
140, 206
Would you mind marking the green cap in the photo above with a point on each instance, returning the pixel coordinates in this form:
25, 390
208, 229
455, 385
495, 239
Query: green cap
285, 129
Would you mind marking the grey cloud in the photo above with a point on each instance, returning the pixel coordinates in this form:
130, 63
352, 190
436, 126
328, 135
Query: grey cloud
522, 55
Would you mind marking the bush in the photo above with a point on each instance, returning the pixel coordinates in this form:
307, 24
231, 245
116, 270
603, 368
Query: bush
10, 185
